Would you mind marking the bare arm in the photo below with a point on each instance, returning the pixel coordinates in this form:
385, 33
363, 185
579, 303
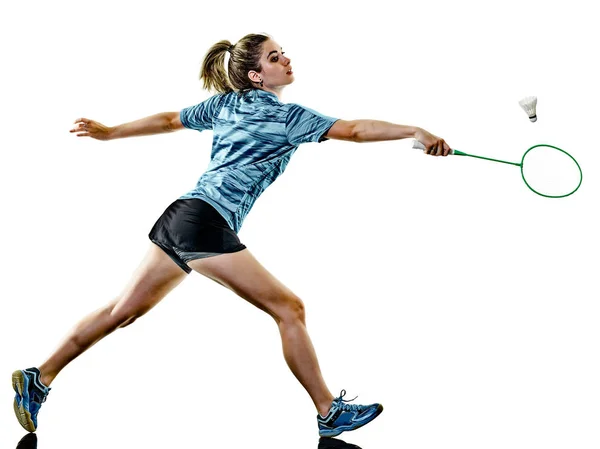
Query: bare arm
369, 131
377, 130
155, 124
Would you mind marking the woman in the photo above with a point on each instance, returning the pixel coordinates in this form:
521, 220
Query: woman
255, 134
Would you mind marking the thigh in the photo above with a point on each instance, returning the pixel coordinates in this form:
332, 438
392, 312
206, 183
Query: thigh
156, 276
244, 275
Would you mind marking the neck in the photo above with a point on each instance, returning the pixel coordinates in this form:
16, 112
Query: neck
274, 90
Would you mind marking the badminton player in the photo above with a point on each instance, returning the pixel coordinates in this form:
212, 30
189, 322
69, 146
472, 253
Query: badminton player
254, 136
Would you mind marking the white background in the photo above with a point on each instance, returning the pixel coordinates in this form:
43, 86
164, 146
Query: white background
441, 287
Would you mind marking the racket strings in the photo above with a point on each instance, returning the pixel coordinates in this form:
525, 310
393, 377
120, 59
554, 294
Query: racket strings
550, 171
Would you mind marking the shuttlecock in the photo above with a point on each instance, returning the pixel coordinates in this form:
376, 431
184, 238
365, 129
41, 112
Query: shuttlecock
528, 104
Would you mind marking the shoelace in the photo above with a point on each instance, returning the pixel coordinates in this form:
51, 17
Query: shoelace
347, 407
37, 397
41, 398
38, 392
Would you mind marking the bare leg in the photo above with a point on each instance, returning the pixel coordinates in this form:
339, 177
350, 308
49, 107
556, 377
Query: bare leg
243, 274
300, 356
156, 276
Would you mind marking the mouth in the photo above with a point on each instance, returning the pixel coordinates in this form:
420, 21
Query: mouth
289, 72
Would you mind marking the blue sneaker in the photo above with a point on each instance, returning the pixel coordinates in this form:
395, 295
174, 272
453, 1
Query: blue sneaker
30, 394
343, 417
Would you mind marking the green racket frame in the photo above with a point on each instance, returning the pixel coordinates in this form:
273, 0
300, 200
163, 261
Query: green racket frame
420, 146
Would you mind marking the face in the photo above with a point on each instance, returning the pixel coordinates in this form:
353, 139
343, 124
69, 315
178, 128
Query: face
276, 67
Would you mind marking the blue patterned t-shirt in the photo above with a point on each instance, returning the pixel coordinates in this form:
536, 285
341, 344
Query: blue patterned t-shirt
255, 135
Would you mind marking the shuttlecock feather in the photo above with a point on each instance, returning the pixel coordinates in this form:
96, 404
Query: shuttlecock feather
529, 104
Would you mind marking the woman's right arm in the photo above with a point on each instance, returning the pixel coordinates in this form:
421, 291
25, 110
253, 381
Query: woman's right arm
377, 130
156, 124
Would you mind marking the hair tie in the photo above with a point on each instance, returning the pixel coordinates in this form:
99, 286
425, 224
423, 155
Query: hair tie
230, 48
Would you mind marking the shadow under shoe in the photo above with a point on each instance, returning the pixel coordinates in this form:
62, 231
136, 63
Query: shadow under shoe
29, 441
334, 443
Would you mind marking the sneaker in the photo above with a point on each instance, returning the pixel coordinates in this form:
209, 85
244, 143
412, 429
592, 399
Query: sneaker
343, 417
30, 394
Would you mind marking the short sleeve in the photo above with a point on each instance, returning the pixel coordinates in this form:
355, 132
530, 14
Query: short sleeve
305, 125
200, 117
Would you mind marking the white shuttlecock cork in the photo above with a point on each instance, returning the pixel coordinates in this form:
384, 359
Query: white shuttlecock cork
529, 105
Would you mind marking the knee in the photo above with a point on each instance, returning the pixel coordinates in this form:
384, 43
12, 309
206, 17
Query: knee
127, 322
124, 318
293, 310
120, 316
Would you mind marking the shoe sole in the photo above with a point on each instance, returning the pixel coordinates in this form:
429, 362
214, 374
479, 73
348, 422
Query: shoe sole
20, 383
339, 430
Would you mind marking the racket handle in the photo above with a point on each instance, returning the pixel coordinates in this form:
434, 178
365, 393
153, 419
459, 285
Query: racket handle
419, 146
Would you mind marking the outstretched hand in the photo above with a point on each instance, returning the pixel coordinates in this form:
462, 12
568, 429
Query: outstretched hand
434, 145
91, 128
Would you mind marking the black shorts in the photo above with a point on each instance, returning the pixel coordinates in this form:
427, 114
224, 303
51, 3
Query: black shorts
192, 229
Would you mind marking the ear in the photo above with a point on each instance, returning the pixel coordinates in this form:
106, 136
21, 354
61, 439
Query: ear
254, 76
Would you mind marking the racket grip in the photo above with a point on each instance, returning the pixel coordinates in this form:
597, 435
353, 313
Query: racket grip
419, 146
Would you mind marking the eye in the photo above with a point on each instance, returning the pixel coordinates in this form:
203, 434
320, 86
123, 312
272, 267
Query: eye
276, 58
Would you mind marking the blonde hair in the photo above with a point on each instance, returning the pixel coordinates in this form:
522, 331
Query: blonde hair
245, 56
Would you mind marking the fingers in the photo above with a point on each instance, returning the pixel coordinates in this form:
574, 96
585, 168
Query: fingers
82, 122
447, 149
432, 149
82, 125
439, 148
79, 129
434, 146
435, 149
90, 128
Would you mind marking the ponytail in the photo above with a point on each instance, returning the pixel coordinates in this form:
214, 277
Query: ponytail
213, 71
